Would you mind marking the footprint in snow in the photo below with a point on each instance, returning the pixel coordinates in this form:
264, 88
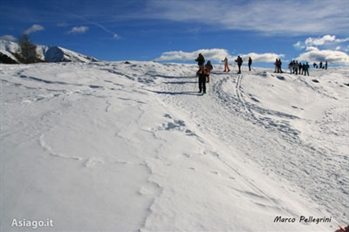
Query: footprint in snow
92, 162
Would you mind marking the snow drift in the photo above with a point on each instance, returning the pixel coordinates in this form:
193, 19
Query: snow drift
133, 147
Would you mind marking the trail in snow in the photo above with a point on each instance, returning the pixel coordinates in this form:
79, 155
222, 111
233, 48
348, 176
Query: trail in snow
134, 147
269, 137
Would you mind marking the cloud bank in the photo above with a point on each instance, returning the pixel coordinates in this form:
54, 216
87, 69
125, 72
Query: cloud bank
326, 48
216, 54
264, 57
313, 54
324, 40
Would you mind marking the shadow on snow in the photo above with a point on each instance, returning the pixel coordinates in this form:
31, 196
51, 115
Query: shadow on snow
175, 93
181, 82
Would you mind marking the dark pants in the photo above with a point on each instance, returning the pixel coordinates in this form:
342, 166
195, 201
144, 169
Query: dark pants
202, 83
239, 65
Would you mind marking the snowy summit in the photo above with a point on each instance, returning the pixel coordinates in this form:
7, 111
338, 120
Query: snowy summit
45, 53
132, 146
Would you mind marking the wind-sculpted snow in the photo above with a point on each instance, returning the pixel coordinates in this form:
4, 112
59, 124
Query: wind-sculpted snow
132, 146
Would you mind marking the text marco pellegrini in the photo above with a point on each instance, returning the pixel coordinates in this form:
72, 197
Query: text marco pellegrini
303, 219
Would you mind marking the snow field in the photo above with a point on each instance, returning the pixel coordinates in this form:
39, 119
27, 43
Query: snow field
132, 147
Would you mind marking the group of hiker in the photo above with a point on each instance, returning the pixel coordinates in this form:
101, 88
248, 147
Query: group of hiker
298, 68
278, 65
205, 70
322, 66
239, 62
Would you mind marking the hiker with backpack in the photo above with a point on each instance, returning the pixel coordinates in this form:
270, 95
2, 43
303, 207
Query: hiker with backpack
200, 60
239, 62
202, 79
208, 68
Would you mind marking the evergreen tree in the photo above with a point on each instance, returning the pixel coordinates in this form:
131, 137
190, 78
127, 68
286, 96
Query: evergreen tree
27, 50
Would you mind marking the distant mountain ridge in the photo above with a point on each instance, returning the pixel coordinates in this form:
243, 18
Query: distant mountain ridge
45, 53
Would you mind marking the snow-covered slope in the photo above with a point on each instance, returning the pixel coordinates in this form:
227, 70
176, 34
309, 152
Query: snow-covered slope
7, 48
134, 147
47, 53
58, 54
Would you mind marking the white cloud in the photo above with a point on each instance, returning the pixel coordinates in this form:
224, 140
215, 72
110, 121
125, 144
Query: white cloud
320, 41
83, 29
216, 54
342, 40
263, 57
325, 48
34, 28
270, 17
299, 45
313, 54
8, 38
311, 48
78, 30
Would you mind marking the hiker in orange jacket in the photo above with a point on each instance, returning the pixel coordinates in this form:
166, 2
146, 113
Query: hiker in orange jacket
226, 67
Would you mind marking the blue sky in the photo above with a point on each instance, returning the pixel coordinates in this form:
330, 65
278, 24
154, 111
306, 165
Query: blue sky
176, 30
